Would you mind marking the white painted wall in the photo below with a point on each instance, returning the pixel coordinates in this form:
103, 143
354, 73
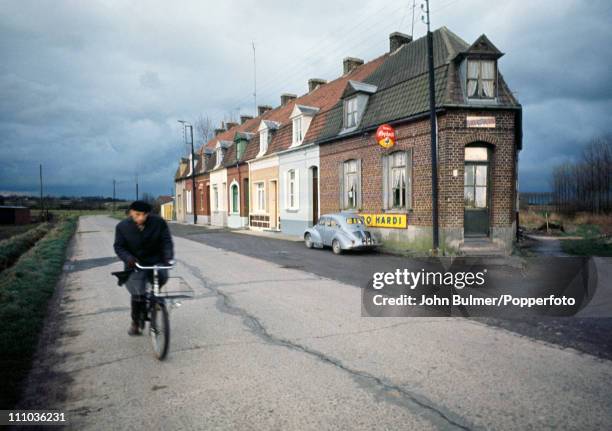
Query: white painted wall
218, 216
301, 160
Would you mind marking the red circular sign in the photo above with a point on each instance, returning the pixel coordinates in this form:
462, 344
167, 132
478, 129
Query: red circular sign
385, 136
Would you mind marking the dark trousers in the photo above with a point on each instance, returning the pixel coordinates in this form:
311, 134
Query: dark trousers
137, 285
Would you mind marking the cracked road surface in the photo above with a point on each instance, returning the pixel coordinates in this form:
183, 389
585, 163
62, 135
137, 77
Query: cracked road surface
267, 347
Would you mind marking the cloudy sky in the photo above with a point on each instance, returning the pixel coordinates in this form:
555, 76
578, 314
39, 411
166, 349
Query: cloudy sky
93, 90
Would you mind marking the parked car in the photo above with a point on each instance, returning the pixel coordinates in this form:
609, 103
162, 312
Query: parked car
340, 231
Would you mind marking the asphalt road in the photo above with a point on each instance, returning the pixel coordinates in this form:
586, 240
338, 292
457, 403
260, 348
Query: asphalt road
589, 335
262, 346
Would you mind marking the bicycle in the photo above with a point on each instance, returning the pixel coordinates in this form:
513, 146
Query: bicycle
156, 307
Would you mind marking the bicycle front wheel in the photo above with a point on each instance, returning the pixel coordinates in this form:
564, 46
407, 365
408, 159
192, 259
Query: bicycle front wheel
159, 330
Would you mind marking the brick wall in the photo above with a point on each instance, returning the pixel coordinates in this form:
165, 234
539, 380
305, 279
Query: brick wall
452, 138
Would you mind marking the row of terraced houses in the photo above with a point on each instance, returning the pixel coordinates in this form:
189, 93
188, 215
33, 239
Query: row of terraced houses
317, 153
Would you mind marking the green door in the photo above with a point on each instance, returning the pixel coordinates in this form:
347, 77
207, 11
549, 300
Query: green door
476, 192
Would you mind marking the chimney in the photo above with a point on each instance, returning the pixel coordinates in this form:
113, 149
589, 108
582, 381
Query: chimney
219, 131
287, 97
262, 109
350, 63
314, 83
229, 125
397, 39
245, 118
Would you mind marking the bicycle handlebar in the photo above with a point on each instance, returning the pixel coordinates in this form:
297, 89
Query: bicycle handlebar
155, 266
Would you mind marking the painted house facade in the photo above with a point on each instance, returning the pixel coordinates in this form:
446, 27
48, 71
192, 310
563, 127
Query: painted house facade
317, 153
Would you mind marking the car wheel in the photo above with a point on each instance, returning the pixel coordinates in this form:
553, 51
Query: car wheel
308, 240
336, 247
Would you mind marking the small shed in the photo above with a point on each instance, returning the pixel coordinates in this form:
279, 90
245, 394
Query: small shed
14, 215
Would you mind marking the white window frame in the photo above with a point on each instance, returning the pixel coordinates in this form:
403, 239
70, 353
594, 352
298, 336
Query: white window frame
259, 201
298, 136
479, 80
351, 113
293, 189
189, 201
264, 140
350, 170
234, 210
215, 197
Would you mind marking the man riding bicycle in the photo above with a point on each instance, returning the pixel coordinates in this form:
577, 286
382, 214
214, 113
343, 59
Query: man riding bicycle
142, 238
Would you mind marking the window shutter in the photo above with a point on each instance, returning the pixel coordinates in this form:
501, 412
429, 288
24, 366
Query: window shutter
359, 184
341, 185
409, 179
385, 181
296, 189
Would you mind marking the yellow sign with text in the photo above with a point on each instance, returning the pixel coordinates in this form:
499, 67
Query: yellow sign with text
390, 221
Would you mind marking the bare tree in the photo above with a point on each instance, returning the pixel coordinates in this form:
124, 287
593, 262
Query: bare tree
204, 128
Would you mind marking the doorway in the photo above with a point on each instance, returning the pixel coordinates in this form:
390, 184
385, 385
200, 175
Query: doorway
315, 195
273, 213
476, 192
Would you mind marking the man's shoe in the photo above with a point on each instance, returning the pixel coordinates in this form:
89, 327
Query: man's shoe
134, 329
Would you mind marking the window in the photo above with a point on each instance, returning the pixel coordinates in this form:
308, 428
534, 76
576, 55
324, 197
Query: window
264, 138
397, 175
351, 182
260, 196
215, 198
297, 130
481, 79
189, 202
292, 189
350, 109
219, 155
475, 186
235, 194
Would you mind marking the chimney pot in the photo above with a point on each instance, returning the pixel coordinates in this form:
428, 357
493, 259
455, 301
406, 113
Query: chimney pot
397, 39
350, 63
262, 109
314, 83
245, 118
287, 97
229, 125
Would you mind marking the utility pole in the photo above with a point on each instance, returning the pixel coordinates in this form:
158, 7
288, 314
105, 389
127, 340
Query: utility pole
114, 183
434, 143
42, 204
136, 186
193, 183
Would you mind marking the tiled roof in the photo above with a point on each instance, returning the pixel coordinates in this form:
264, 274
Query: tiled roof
403, 85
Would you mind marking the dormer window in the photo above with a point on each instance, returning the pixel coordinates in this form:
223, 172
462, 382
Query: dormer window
297, 131
301, 117
219, 153
350, 112
481, 79
264, 139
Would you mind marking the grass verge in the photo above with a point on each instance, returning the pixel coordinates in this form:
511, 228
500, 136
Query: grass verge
587, 247
12, 248
25, 289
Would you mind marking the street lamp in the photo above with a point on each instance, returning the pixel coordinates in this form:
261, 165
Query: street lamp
193, 186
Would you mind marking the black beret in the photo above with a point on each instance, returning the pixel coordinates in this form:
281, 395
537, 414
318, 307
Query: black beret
141, 206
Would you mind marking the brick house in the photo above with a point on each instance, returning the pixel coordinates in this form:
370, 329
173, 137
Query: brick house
479, 136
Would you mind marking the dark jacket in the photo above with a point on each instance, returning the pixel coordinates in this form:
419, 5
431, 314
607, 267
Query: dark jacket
150, 246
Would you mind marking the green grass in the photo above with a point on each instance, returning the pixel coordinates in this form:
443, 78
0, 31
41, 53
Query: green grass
25, 290
12, 248
7, 231
587, 247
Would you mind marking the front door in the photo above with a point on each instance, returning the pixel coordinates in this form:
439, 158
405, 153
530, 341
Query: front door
273, 210
476, 192
315, 195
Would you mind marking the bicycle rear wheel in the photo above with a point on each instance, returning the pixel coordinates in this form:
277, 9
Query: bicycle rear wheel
159, 330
